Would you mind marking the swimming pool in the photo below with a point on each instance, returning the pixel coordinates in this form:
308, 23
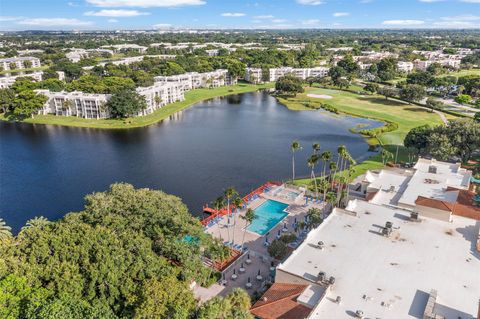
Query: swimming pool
267, 216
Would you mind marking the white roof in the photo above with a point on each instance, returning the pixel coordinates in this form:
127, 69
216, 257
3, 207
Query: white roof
389, 277
434, 185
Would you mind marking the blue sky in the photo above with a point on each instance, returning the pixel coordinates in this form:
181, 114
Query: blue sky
244, 14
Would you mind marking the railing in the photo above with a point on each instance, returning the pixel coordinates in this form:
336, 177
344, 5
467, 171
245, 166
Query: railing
214, 213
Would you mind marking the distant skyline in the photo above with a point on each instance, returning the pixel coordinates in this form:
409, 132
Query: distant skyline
249, 14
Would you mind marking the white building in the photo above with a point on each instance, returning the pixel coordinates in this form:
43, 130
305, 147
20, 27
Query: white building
75, 55
79, 104
194, 80
253, 75
126, 47
8, 80
374, 261
19, 63
160, 94
404, 66
94, 106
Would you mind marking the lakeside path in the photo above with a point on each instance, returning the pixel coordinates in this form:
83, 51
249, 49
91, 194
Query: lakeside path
191, 97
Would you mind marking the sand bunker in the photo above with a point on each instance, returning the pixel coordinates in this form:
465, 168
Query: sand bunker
320, 96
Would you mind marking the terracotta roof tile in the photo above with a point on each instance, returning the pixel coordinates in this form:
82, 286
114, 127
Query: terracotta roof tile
280, 302
434, 203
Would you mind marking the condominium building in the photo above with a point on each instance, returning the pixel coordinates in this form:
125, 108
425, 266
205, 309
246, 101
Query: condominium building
20, 63
86, 105
8, 80
404, 66
160, 94
253, 75
126, 47
194, 80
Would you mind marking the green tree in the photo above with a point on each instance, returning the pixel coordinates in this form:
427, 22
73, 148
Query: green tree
412, 92
289, 85
278, 249
387, 92
6, 100
371, 87
5, 230
126, 103
27, 64
51, 84
23, 83
463, 99
421, 78
386, 69
38, 222
477, 117
386, 155
314, 217
417, 138
294, 148
248, 218
27, 103
434, 104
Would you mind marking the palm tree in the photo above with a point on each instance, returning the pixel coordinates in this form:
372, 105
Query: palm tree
238, 202
67, 105
332, 169
248, 218
316, 148
218, 204
294, 147
158, 100
312, 161
39, 222
386, 155
326, 155
331, 198
5, 231
229, 194
314, 217
323, 185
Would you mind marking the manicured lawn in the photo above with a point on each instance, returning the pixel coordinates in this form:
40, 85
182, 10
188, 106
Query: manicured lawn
371, 106
375, 107
191, 98
462, 73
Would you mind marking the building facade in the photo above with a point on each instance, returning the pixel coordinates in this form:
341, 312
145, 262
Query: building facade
20, 63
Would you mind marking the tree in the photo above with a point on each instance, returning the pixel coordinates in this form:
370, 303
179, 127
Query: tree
235, 305
23, 83
314, 217
417, 138
126, 103
27, 64
371, 87
386, 69
421, 78
387, 92
412, 92
38, 222
434, 104
278, 249
477, 117
386, 155
289, 85
248, 218
6, 100
53, 85
440, 146
165, 299
27, 103
463, 99
312, 161
294, 147
5, 231
229, 194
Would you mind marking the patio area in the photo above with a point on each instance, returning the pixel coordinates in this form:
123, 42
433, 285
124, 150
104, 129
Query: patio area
253, 270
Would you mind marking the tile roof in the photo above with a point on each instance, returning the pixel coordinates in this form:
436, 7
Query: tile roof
280, 302
434, 203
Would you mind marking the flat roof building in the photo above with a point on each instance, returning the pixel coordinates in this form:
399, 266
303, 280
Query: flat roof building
417, 268
24, 62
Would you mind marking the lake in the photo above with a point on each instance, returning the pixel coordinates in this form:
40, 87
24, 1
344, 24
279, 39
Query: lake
241, 141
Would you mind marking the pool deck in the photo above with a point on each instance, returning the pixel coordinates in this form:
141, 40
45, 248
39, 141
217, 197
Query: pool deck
255, 245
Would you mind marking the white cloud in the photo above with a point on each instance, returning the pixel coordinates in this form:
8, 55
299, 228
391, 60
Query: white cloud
54, 22
461, 21
470, 1
72, 4
310, 2
279, 20
232, 14
112, 20
403, 23
341, 14
145, 3
162, 26
116, 13
264, 17
366, 1
311, 22
9, 18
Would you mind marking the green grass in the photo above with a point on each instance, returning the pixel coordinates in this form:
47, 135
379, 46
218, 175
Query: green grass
462, 73
374, 107
191, 98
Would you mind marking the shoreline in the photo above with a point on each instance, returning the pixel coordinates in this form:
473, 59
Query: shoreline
191, 97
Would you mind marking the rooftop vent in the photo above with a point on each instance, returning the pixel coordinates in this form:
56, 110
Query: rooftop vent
386, 231
321, 276
388, 225
432, 169
331, 280
359, 314
414, 216
321, 244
